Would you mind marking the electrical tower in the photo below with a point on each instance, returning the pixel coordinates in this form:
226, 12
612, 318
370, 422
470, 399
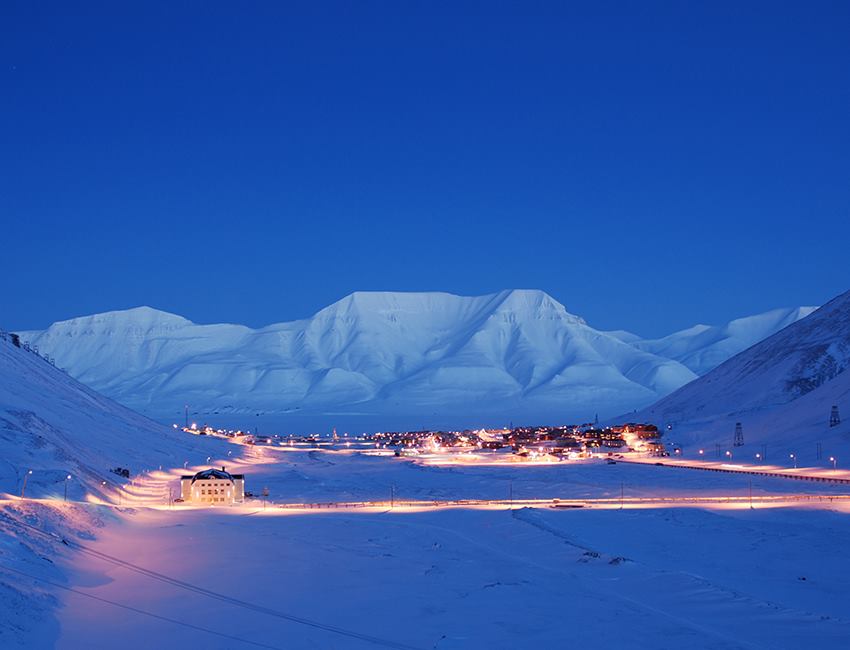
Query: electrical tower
834, 418
739, 435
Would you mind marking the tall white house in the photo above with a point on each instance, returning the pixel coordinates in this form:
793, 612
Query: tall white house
214, 487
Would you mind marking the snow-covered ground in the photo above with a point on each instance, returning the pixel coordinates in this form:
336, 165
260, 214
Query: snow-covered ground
719, 577
57, 438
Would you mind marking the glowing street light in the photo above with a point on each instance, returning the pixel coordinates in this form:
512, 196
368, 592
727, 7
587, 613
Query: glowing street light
758, 456
67, 478
24, 487
794, 458
833, 461
701, 452
729, 455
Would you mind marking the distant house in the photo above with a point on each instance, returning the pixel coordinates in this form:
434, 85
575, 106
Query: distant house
213, 486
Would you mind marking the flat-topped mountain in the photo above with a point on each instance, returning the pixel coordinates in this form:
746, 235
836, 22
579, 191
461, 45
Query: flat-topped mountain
374, 352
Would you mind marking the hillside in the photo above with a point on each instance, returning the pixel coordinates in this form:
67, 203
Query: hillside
781, 389
54, 425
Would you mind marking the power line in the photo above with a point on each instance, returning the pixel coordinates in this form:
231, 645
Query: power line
141, 611
218, 596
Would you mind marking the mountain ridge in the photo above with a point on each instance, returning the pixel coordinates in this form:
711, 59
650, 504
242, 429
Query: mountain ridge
378, 351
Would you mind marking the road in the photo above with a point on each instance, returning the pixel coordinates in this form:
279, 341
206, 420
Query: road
798, 473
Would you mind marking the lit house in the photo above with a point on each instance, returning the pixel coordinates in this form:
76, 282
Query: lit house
213, 486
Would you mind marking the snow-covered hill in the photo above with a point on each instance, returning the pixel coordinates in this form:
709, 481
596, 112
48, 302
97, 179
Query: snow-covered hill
514, 353
703, 347
56, 426
57, 434
781, 390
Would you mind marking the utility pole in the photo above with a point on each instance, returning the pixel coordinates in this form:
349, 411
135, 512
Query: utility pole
265, 496
24, 488
186, 413
392, 497
751, 494
622, 494
511, 494
819, 451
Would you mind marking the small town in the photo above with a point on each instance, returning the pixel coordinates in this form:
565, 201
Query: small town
558, 442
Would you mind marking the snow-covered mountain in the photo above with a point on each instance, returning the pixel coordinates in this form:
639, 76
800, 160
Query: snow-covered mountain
781, 390
514, 353
383, 352
704, 347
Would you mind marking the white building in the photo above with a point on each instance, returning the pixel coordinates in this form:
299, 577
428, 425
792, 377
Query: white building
213, 486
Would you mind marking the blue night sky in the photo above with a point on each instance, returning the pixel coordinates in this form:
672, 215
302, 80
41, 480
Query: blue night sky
649, 165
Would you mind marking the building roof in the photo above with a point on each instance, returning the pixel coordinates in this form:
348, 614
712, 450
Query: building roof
218, 474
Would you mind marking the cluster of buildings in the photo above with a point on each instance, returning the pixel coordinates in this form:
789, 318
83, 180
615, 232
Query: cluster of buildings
562, 441
220, 487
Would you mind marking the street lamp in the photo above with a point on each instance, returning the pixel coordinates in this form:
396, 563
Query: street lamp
24, 487
67, 478
758, 456
832, 460
794, 458
701, 452
729, 454
185, 462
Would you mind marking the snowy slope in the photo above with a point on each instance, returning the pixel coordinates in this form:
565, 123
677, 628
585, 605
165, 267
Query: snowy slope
703, 347
54, 425
379, 351
781, 389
